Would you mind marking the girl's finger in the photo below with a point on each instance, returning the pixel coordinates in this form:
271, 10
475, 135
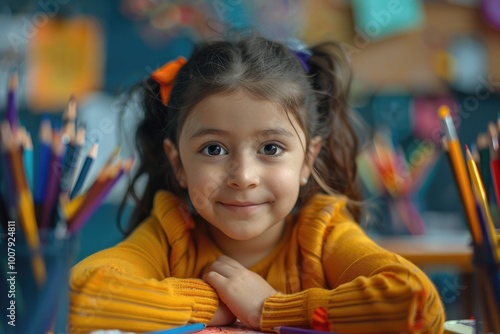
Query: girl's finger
222, 268
215, 279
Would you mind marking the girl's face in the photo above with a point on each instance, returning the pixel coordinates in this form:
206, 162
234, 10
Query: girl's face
243, 163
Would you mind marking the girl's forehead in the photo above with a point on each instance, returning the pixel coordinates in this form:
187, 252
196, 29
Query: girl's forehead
239, 111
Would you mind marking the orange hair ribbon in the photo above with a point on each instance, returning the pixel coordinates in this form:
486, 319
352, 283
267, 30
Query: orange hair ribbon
165, 77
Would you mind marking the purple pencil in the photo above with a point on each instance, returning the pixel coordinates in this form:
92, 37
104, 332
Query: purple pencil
53, 182
11, 102
297, 330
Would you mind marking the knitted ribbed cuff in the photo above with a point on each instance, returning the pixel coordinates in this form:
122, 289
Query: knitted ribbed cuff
203, 295
281, 309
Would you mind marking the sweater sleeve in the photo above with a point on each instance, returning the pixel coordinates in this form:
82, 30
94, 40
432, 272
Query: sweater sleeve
370, 290
129, 287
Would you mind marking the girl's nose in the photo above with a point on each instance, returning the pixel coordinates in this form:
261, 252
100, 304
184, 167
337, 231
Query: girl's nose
243, 174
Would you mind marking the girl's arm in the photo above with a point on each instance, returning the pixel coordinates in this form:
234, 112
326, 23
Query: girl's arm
372, 290
129, 286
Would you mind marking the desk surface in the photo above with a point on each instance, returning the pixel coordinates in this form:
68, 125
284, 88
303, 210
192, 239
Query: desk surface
431, 250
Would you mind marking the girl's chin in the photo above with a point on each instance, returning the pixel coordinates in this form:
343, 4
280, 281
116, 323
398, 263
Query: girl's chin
238, 235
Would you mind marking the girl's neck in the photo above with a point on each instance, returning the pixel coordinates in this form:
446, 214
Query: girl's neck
248, 252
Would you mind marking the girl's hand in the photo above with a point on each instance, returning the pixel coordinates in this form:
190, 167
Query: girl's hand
242, 290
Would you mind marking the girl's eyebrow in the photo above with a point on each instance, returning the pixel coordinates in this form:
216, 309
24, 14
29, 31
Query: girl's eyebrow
278, 131
208, 131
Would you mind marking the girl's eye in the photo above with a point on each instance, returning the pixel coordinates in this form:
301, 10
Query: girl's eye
271, 149
214, 149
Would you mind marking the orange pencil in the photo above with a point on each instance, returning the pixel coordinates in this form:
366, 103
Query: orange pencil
462, 179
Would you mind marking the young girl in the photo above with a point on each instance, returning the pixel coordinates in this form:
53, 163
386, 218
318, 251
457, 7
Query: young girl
249, 208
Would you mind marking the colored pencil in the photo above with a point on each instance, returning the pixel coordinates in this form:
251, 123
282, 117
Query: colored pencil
494, 161
106, 173
53, 184
79, 142
73, 206
462, 179
28, 158
11, 143
89, 160
44, 154
97, 194
11, 114
187, 329
482, 143
487, 226
298, 330
72, 147
8, 178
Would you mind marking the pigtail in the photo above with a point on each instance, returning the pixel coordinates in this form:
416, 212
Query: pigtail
336, 164
153, 165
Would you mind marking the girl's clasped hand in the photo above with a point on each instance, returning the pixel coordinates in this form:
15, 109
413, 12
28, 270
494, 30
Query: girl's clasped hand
241, 291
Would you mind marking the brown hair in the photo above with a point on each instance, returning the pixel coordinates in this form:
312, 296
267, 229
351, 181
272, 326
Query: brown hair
267, 70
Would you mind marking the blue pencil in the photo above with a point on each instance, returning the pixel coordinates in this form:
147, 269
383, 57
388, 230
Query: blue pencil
28, 159
191, 328
85, 169
69, 165
73, 145
44, 154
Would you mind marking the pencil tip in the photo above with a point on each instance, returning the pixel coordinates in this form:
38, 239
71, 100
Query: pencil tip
468, 153
13, 81
443, 111
70, 114
492, 130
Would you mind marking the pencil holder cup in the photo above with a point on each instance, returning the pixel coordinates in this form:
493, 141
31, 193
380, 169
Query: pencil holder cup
487, 288
35, 282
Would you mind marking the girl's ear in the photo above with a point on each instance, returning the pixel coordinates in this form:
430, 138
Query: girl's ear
312, 154
175, 161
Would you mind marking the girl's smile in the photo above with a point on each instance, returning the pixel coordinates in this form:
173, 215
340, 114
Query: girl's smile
243, 207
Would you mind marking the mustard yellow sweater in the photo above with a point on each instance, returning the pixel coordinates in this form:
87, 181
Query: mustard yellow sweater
151, 281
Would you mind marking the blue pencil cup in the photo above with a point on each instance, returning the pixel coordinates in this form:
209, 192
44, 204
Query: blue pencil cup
35, 303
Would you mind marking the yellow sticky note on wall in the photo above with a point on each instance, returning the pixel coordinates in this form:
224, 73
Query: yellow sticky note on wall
64, 57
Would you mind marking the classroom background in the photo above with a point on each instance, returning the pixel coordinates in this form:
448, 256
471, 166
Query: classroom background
408, 58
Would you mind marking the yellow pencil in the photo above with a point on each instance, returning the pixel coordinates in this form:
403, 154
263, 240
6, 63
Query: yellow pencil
25, 200
462, 179
480, 194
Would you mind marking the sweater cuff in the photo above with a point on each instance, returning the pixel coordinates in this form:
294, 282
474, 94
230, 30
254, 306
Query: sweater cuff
280, 309
204, 297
